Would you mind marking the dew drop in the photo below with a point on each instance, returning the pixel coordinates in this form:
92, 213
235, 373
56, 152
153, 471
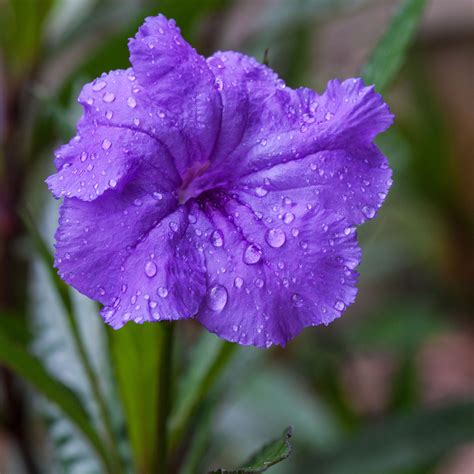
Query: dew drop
252, 254
106, 144
288, 218
297, 300
238, 282
275, 238
108, 97
174, 226
150, 269
340, 305
109, 114
83, 156
158, 196
98, 86
219, 84
261, 192
217, 239
112, 183
235, 328
162, 292
131, 102
368, 212
216, 298
259, 283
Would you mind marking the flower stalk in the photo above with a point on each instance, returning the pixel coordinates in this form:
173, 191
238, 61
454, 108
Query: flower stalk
164, 395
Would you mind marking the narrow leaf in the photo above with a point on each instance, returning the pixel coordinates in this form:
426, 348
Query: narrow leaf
18, 359
388, 56
272, 453
209, 358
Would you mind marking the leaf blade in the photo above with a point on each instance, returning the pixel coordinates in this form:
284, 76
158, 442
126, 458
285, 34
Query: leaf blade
387, 58
270, 454
18, 359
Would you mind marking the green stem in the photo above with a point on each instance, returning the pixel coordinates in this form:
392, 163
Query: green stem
97, 393
164, 395
202, 388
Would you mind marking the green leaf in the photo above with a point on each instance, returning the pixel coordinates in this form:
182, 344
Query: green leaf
404, 442
18, 359
135, 356
54, 344
209, 358
15, 326
21, 32
388, 56
272, 453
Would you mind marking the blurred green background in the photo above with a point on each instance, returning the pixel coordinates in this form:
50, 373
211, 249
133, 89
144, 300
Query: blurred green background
388, 388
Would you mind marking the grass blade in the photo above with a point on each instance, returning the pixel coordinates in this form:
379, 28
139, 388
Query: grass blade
388, 56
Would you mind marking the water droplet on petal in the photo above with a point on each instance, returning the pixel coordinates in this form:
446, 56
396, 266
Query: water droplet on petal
109, 114
174, 226
275, 238
259, 283
261, 192
108, 97
217, 239
112, 183
340, 305
106, 144
158, 196
288, 217
216, 297
238, 282
252, 254
297, 300
368, 212
83, 156
150, 269
98, 86
162, 292
131, 102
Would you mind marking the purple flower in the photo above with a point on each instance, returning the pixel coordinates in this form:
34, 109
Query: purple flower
205, 188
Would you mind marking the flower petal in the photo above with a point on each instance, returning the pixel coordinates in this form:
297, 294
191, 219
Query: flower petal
273, 266
352, 182
273, 132
126, 273
181, 86
102, 159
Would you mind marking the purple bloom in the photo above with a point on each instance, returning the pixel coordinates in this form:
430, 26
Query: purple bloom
205, 188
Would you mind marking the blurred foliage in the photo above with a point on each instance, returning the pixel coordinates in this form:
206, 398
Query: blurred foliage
225, 406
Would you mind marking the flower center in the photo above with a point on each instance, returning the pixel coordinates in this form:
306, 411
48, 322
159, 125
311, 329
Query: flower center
188, 188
